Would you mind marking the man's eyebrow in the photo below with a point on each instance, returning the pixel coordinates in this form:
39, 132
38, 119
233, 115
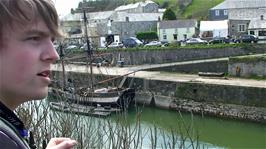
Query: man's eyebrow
38, 32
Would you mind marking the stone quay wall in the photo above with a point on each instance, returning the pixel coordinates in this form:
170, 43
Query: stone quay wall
236, 102
225, 101
159, 56
247, 66
217, 66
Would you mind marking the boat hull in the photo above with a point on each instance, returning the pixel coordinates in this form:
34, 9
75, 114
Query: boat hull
121, 98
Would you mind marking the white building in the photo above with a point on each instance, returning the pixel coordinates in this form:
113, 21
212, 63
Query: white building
213, 29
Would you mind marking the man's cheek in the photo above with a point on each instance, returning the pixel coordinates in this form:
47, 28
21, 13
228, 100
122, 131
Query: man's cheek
23, 65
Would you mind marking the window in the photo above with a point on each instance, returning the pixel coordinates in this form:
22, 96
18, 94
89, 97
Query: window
185, 36
164, 37
251, 32
188, 31
262, 33
241, 27
176, 30
163, 31
127, 19
175, 36
225, 12
217, 12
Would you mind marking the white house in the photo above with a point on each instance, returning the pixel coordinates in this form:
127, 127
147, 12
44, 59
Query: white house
258, 27
176, 30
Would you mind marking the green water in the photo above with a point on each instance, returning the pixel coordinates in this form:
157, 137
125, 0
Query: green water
212, 132
220, 133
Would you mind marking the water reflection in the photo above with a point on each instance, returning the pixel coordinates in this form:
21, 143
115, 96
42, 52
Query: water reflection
218, 132
211, 132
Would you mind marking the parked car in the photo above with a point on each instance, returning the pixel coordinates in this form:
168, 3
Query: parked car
132, 42
84, 47
247, 39
71, 47
196, 41
219, 40
153, 43
56, 46
115, 45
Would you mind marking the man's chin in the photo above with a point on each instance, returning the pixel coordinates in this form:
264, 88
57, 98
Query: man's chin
41, 95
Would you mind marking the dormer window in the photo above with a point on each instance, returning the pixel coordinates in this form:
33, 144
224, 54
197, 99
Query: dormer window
225, 12
217, 12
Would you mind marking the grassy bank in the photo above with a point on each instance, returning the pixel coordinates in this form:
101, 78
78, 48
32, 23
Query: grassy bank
199, 8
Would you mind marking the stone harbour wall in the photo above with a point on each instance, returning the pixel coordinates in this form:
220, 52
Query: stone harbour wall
218, 66
237, 102
159, 56
234, 102
247, 69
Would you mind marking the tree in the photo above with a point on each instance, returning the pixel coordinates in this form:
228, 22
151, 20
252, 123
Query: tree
147, 36
169, 14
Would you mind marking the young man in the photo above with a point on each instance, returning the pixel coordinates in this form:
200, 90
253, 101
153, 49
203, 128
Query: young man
27, 30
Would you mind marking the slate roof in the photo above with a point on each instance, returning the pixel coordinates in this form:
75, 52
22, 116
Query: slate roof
91, 16
177, 24
100, 15
71, 17
133, 17
257, 24
135, 5
115, 16
232, 4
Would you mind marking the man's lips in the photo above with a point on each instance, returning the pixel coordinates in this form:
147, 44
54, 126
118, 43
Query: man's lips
45, 73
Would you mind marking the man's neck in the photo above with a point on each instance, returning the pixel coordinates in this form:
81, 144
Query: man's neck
9, 105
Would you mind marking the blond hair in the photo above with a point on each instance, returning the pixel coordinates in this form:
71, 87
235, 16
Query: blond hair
22, 12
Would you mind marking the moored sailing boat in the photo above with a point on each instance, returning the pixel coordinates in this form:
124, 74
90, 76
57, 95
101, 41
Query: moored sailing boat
115, 97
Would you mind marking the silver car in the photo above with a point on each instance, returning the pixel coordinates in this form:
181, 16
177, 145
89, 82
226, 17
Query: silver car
196, 41
115, 45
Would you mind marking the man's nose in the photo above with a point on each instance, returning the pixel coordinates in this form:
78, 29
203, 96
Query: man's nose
50, 54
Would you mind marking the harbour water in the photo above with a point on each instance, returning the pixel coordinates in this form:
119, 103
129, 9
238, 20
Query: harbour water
210, 132
213, 132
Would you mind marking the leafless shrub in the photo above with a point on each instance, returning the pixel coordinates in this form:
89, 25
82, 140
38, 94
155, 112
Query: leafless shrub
100, 133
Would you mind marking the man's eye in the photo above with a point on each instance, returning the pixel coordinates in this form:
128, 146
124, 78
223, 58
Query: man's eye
34, 38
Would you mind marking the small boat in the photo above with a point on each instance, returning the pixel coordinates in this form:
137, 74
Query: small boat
115, 97
211, 74
81, 109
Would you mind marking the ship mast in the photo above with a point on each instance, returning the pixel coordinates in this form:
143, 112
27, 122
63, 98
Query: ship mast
89, 50
61, 54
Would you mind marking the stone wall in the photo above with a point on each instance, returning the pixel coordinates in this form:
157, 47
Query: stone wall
234, 28
159, 56
138, 57
217, 66
227, 94
236, 102
247, 68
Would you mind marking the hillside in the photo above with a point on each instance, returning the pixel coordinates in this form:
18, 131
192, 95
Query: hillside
199, 8
183, 9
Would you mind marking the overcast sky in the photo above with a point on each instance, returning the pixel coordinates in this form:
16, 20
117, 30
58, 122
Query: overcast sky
63, 6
